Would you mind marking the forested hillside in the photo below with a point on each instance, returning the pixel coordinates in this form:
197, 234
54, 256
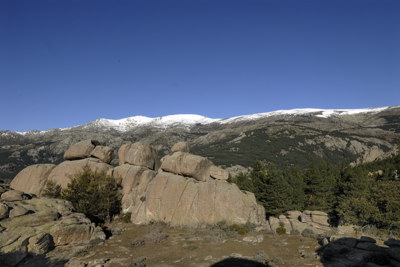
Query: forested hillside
284, 138
367, 194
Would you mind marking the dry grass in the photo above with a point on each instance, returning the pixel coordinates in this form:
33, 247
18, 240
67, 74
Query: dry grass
201, 247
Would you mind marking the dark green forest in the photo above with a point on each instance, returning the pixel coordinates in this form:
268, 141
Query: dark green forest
367, 194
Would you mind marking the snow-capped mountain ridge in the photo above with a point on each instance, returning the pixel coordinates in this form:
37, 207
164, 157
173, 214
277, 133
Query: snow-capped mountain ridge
322, 113
188, 120
192, 119
160, 122
290, 136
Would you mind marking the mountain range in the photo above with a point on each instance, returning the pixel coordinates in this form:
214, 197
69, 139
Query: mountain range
286, 137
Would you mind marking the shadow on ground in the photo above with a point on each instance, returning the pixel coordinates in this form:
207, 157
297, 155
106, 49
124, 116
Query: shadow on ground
349, 251
236, 262
22, 259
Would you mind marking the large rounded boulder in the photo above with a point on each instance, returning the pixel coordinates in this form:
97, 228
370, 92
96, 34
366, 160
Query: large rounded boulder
187, 164
178, 200
139, 154
32, 179
80, 150
64, 172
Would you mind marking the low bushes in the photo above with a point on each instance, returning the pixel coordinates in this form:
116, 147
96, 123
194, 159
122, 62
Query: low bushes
95, 194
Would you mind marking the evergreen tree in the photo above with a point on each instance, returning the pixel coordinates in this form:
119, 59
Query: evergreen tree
386, 197
295, 179
243, 181
271, 189
94, 194
320, 183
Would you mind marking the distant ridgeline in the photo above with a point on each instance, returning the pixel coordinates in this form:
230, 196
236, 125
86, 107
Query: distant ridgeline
283, 138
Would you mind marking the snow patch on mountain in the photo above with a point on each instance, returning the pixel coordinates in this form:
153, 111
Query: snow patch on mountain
322, 113
159, 122
189, 120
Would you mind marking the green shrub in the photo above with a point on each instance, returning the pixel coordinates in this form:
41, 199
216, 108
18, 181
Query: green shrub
222, 225
126, 217
281, 230
52, 190
95, 194
240, 229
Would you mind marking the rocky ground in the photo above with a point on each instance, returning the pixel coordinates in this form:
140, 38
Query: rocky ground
160, 245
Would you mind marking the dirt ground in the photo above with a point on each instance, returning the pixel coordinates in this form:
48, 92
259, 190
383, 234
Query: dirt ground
162, 246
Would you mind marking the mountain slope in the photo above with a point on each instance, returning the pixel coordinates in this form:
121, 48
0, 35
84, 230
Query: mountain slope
291, 137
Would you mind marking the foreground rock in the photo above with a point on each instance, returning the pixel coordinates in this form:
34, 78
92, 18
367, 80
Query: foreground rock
188, 190
90, 153
32, 179
66, 170
349, 251
34, 226
307, 223
177, 200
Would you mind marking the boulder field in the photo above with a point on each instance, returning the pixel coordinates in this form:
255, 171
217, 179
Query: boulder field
31, 226
179, 189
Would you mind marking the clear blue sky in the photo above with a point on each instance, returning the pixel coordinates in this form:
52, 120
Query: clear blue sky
68, 62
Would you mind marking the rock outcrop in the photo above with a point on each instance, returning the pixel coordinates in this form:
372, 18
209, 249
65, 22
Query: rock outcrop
218, 173
33, 226
179, 200
187, 190
103, 153
307, 223
186, 164
180, 147
88, 153
80, 150
139, 154
197, 167
32, 179
63, 173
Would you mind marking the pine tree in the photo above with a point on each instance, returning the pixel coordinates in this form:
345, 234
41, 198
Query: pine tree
243, 181
320, 184
271, 189
94, 194
295, 179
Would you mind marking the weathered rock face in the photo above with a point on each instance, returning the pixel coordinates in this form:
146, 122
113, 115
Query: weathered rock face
139, 154
103, 153
80, 150
3, 211
186, 164
187, 190
180, 147
13, 195
63, 173
32, 179
134, 181
34, 226
307, 223
177, 200
89, 153
218, 173
173, 197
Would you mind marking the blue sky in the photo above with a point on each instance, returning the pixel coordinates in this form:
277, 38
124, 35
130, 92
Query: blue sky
68, 62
